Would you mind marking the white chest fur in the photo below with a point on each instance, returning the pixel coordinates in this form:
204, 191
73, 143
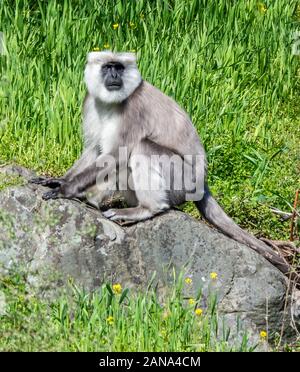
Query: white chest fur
101, 127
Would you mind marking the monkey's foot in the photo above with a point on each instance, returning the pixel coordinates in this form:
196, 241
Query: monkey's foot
119, 221
128, 214
125, 223
53, 194
111, 213
49, 182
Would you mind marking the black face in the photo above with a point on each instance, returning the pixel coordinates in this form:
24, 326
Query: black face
112, 75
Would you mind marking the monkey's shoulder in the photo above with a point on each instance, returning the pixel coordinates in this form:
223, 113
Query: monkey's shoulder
149, 98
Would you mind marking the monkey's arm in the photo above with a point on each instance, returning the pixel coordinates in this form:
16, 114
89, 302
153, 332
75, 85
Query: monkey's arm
88, 156
78, 184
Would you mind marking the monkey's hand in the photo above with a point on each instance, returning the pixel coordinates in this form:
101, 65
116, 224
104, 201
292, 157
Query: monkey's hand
66, 190
53, 194
48, 182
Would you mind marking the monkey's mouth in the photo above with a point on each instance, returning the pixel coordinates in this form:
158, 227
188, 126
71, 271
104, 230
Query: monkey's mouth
114, 86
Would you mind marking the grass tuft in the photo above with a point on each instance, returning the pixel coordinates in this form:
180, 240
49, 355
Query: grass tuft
111, 319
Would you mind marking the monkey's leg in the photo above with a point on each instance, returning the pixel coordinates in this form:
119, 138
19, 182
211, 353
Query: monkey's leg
150, 203
149, 188
129, 214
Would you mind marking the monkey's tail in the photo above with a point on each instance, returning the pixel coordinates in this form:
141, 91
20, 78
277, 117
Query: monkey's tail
215, 215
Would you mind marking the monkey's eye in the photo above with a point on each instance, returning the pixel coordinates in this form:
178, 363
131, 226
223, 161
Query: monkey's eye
105, 68
119, 67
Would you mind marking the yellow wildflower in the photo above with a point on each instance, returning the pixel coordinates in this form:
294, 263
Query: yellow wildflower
117, 288
106, 46
110, 320
201, 347
213, 276
262, 8
188, 280
198, 311
263, 335
166, 314
163, 332
132, 50
96, 49
115, 26
132, 25
192, 301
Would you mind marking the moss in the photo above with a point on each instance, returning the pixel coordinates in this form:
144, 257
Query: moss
7, 180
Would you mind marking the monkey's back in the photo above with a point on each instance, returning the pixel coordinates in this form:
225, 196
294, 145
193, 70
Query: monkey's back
160, 116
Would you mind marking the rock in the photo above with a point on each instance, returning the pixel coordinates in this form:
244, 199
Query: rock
58, 239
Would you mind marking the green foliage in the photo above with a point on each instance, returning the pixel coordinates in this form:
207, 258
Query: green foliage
110, 320
228, 63
10, 180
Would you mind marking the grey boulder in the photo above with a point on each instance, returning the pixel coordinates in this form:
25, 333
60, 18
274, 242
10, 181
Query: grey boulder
58, 239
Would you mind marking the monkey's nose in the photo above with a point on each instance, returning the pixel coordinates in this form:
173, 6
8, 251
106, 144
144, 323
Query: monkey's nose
113, 73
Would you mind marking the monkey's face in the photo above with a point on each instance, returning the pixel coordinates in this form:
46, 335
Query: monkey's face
111, 77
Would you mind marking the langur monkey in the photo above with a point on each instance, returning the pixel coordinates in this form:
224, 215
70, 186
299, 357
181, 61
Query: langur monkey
121, 110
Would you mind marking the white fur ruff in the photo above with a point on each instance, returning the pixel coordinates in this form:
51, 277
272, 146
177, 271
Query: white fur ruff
93, 77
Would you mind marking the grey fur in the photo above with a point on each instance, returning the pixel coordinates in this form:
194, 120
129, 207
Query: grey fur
147, 122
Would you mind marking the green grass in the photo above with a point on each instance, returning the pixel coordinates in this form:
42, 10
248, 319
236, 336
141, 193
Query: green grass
228, 63
107, 321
